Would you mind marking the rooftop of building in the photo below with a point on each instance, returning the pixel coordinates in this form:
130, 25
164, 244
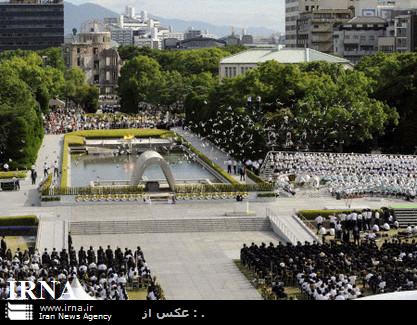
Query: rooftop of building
282, 55
367, 20
202, 39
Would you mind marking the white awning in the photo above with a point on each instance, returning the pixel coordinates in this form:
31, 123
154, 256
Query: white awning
400, 295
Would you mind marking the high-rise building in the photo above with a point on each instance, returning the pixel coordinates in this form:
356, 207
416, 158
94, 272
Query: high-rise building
406, 32
130, 12
294, 9
315, 28
31, 24
359, 37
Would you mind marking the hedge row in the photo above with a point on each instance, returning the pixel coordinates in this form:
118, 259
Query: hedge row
17, 174
254, 177
19, 221
120, 133
46, 184
221, 188
313, 214
266, 195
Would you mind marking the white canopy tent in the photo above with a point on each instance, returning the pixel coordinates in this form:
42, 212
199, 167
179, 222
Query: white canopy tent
401, 295
56, 102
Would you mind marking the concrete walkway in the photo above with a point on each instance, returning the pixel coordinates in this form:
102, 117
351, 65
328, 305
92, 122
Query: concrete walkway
52, 233
210, 151
50, 152
28, 195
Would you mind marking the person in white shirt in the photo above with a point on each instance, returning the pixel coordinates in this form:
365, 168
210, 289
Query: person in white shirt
372, 236
377, 218
229, 166
409, 230
319, 222
151, 295
323, 233
333, 220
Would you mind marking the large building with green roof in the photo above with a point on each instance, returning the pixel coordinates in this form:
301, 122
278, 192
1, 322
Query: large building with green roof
238, 64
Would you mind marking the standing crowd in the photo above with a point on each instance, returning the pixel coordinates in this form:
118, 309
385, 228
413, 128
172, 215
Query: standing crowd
64, 120
354, 225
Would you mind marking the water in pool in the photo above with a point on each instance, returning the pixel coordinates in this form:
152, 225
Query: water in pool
85, 169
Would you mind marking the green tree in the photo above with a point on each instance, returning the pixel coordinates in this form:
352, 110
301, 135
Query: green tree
89, 98
394, 79
139, 82
21, 128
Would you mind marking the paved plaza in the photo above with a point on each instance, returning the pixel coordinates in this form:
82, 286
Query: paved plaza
192, 265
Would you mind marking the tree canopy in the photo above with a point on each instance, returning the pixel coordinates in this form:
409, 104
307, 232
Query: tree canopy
394, 82
29, 80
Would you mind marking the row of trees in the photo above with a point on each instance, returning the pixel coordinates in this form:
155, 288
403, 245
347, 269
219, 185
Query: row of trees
28, 81
315, 106
166, 78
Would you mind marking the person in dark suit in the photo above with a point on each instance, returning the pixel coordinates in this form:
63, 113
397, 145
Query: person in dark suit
109, 255
3, 246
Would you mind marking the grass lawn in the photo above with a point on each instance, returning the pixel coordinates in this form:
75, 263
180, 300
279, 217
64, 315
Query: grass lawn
18, 221
120, 133
292, 292
15, 242
390, 234
17, 174
404, 206
137, 294
248, 274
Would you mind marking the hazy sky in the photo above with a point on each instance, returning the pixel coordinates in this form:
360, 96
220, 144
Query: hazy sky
265, 13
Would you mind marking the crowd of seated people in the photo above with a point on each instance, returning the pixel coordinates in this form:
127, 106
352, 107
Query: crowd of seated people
104, 274
65, 120
336, 271
348, 175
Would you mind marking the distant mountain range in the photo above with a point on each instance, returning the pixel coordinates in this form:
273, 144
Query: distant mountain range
76, 15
